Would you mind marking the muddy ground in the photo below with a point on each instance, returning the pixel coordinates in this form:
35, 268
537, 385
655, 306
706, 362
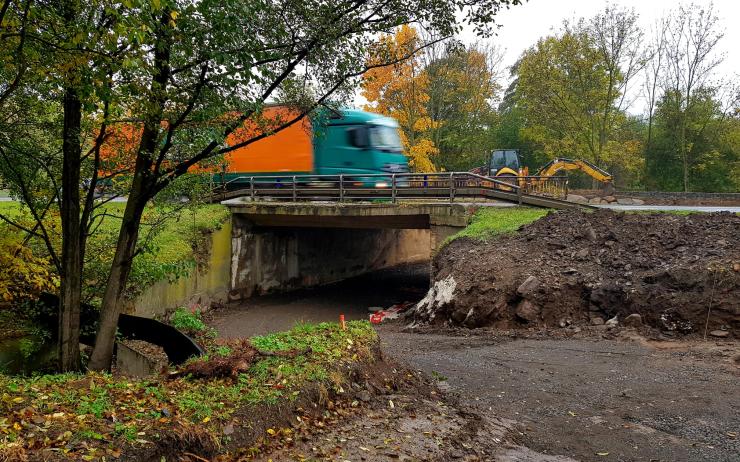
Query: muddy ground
584, 396
679, 273
529, 396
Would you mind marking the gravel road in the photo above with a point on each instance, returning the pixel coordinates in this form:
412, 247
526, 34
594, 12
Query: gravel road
592, 399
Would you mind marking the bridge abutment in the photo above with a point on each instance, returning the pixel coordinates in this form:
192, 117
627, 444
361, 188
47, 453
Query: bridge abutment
282, 247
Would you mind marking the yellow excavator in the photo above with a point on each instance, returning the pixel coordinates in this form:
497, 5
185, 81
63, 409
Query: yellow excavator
505, 164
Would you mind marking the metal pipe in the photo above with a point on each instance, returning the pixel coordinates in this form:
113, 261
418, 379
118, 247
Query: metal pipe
251, 187
295, 192
341, 188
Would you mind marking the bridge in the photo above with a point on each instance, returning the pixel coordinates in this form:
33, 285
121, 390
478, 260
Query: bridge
449, 187
298, 231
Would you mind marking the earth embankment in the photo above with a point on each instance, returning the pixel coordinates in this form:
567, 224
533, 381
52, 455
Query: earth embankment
679, 273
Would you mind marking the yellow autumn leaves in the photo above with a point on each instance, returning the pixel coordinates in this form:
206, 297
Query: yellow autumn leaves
21, 273
400, 91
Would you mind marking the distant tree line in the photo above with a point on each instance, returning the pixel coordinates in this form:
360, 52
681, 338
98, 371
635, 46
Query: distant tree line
576, 93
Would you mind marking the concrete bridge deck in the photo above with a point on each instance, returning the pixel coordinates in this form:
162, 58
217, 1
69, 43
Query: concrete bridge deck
356, 215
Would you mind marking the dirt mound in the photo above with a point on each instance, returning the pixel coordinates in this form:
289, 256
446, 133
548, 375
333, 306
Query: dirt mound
674, 271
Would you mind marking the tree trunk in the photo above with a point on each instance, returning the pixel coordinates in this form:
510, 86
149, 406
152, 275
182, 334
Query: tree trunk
684, 154
71, 277
143, 188
120, 269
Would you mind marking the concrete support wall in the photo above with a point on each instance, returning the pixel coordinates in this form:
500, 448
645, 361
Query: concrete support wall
439, 233
267, 259
199, 287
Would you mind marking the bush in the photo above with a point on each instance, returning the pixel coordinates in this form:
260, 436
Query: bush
22, 274
187, 321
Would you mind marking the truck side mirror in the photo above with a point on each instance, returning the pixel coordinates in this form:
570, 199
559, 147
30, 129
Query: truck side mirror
359, 137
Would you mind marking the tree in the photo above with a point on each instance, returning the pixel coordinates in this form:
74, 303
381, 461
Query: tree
401, 91
692, 36
562, 87
656, 55
463, 86
618, 39
710, 129
187, 74
571, 90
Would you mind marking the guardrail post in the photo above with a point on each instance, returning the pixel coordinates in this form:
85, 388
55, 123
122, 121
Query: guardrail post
251, 187
295, 191
452, 187
393, 188
341, 188
519, 194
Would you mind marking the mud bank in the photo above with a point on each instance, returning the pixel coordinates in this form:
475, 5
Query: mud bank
679, 273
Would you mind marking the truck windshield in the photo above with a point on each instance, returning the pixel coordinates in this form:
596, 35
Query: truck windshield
385, 138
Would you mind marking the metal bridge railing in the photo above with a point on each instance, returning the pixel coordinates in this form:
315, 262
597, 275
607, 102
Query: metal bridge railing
390, 186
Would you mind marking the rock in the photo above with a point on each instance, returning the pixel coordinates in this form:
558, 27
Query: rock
597, 321
609, 199
589, 234
633, 320
613, 322
638, 201
528, 311
595, 200
625, 201
364, 396
577, 198
528, 286
719, 333
583, 253
564, 322
228, 429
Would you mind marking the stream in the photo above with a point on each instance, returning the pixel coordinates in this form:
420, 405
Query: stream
352, 298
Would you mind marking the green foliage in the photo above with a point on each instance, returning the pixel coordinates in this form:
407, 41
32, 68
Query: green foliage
83, 404
187, 321
171, 240
712, 145
491, 222
462, 90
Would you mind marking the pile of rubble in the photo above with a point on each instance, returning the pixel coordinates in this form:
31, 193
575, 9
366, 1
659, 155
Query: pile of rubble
677, 273
595, 199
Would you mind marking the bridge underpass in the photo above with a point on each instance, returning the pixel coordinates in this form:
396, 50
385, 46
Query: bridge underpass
284, 246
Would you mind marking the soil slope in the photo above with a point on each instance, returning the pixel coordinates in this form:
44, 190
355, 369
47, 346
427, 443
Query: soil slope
680, 273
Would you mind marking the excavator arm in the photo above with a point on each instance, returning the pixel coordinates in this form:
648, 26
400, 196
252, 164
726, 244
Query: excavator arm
561, 163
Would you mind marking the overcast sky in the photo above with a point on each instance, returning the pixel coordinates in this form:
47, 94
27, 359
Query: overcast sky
523, 25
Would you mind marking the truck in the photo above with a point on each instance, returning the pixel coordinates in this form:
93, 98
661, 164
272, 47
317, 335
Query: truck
346, 142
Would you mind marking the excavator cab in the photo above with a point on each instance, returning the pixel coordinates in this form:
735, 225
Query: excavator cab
504, 162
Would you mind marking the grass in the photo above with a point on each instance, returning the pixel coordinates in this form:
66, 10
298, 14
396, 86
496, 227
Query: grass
490, 222
94, 415
168, 235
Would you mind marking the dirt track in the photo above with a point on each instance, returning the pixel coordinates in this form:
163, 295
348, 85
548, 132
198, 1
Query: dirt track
581, 397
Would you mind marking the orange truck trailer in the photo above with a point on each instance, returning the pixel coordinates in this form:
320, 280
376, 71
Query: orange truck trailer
347, 141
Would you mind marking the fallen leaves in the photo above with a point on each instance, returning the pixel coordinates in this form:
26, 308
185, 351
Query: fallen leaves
95, 416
